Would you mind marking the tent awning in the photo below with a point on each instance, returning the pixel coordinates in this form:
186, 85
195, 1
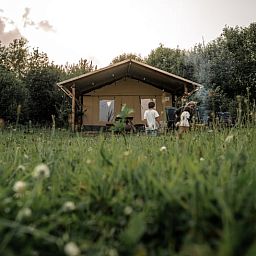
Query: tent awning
163, 80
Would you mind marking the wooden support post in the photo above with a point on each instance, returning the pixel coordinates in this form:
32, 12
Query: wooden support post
184, 98
164, 124
163, 105
185, 90
73, 113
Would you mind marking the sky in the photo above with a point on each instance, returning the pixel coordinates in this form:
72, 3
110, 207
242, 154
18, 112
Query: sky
100, 30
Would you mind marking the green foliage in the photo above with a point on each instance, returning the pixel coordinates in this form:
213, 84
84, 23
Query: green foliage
73, 70
171, 60
226, 65
14, 56
29, 80
126, 56
13, 93
228, 62
120, 123
37, 59
195, 198
43, 94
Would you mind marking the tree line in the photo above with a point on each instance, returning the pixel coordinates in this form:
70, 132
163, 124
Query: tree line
226, 67
28, 84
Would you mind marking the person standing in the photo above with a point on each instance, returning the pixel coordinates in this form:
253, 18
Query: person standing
184, 121
152, 118
192, 108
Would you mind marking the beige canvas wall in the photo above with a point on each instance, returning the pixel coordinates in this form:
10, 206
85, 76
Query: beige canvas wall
125, 91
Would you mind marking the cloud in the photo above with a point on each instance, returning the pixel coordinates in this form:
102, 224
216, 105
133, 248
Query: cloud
43, 25
9, 29
26, 13
8, 37
26, 20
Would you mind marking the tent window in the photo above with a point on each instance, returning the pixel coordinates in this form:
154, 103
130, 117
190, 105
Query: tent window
144, 105
106, 112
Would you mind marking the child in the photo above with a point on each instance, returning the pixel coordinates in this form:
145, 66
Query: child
184, 121
152, 117
192, 108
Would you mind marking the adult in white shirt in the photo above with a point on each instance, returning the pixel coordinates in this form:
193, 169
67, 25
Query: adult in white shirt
152, 117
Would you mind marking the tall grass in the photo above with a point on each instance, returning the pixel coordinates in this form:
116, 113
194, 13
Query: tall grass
148, 196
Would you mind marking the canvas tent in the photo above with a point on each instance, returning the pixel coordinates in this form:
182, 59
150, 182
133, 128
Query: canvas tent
101, 94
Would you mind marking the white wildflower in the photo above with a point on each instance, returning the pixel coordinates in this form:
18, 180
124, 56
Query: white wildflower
163, 149
71, 249
69, 206
126, 153
222, 157
7, 209
21, 168
112, 252
24, 213
41, 171
202, 159
88, 161
7, 200
229, 138
19, 187
31, 229
128, 210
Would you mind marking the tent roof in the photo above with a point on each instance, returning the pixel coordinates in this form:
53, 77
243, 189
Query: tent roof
132, 69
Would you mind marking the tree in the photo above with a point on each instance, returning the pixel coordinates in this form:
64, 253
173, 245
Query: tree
44, 98
126, 56
13, 95
14, 56
72, 70
229, 62
30, 80
37, 59
241, 43
171, 60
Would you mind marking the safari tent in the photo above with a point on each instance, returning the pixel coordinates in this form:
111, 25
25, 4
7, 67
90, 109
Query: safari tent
100, 95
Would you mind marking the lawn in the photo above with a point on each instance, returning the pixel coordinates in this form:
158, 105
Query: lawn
70, 194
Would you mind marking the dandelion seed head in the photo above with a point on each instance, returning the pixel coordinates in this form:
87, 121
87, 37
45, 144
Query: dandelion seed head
7, 200
19, 187
69, 206
222, 157
112, 252
71, 249
7, 209
163, 149
126, 153
24, 213
88, 161
128, 210
21, 168
41, 171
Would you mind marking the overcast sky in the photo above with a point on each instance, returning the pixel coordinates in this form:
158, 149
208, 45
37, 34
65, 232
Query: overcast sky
100, 30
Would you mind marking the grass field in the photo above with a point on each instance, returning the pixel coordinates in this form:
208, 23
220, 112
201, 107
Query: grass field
68, 194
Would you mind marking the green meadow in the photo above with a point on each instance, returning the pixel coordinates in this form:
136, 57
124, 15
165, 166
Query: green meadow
72, 194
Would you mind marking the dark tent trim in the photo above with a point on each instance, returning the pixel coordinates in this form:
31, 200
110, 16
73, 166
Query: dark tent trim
168, 82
